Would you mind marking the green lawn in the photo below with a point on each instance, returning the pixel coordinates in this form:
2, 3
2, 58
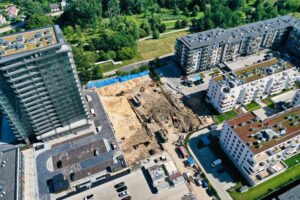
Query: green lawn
290, 162
252, 106
263, 189
268, 102
149, 49
220, 118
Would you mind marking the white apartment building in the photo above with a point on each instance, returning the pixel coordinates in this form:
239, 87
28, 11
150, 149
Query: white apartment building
203, 50
251, 83
296, 99
258, 148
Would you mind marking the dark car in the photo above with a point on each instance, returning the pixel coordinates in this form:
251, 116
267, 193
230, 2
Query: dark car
209, 192
119, 185
122, 189
127, 198
204, 183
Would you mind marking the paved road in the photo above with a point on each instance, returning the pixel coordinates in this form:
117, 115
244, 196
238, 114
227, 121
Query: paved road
136, 65
14, 26
174, 31
221, 182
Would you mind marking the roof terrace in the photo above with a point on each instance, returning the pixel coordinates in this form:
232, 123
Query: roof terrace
256, 71
27, 41
261, 135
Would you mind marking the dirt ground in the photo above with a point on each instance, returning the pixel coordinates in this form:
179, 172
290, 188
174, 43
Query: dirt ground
135, 126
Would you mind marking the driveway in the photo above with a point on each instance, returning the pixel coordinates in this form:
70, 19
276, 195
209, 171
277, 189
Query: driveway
217, 176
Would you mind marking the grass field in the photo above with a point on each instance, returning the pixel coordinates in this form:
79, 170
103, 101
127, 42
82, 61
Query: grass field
292, 161
263, 189
252, 106
148, 49
226, 116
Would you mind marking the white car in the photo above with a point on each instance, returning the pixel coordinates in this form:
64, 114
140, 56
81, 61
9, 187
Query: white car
123, 194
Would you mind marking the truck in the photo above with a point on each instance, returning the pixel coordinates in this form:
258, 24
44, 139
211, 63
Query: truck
183, 152
216, 162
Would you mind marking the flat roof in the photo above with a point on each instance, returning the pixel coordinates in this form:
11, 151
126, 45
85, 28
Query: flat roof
256, 71
261, 135
292, 194
215, 36
8, 173
27, 41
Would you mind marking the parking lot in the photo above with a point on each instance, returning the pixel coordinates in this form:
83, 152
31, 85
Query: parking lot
218, 176
170, 76
138, 188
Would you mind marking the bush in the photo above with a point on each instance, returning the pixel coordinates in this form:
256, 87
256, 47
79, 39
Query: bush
126, 53
177, 24
156, 34
112, 55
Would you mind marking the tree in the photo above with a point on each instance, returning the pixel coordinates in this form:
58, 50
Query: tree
176, 10
111, 8
155, 34
126, 53
38, 21
196, 10
162, 28
177, 24
186, 12
184, 23
146, 27
236, 4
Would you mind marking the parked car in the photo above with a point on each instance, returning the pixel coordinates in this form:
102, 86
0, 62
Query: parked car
89, 197
119, 185
198, 181
216, 163
204, 183
127, 198
209, 192
123, 194
120, 189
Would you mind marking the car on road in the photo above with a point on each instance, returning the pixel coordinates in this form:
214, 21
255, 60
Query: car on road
119, 185
123, 194
204, 183
122, 189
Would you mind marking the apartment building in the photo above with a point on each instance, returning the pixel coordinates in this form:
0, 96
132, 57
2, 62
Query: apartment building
296, 99
201, 51
258, 148
251, 83
39, 87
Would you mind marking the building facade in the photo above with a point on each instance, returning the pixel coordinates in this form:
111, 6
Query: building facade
201, 51
39, 87
296, 99
251, 83
258, 148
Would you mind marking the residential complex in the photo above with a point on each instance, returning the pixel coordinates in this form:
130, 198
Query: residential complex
203, 50
258, 147
250, 83
39, 87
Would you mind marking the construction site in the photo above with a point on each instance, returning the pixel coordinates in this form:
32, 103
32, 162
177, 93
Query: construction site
143, 114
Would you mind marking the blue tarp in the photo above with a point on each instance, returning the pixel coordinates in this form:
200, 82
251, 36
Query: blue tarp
190, 161
205, 140
110, 81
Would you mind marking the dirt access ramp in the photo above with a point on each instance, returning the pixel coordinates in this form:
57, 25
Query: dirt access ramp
131, 135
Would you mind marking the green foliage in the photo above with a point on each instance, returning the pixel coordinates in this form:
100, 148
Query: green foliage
292, 161
155, 34
37, 21
126, 53
252, 106
177, 25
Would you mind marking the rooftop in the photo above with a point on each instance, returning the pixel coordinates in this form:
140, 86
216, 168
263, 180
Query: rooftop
215, 36
261, 135
291, 194
9, 171
254, 72
27, 41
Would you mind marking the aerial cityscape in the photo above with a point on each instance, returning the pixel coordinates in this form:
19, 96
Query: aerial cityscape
149, 100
